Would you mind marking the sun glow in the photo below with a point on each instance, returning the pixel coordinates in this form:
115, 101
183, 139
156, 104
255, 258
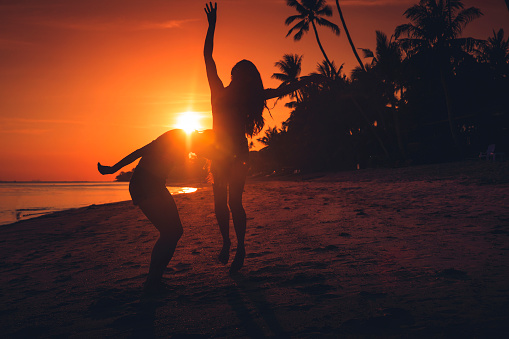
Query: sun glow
189, 122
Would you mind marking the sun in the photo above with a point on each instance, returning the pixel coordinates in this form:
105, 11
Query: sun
189, 122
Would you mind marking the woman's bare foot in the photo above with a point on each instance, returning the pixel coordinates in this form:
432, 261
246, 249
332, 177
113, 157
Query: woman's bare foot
238, 261
224, 255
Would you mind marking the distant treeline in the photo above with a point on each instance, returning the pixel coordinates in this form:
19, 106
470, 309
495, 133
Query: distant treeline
124, 176
425, 94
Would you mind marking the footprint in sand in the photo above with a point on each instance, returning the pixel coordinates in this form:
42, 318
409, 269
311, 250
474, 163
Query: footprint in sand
182, 267
453, 274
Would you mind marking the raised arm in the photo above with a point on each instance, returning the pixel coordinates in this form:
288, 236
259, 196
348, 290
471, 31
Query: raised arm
285, 89
124, 162
210, 65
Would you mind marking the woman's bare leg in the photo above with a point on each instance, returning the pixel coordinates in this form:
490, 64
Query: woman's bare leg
163, 213
223, 217
236, 188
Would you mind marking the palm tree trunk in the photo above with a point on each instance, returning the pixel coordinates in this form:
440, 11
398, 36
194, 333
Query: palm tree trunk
359, 108
371, 128
450, 114
321, 47
507, 4
349, 37
397, 128
449, 10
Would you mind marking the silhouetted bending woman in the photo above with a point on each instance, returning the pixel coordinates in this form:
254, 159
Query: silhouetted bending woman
236, 112
148, 190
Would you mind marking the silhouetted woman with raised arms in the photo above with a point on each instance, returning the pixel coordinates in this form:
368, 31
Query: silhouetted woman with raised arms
148, 190
236, 112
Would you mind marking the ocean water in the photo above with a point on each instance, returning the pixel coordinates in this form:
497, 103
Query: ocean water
24, 200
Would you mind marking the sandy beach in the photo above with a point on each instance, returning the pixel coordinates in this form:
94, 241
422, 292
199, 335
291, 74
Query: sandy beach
416, 252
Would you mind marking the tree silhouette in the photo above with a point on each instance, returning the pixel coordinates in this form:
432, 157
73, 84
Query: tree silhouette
431, 29
404, 106
495, 52
271, 134
310, 12
329, 70
124, 176
385, 69
493, 80
290, 67
435, 33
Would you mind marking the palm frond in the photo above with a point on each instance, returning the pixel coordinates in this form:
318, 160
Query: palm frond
293, 3
292, 18
381, 42
329, 70
326, 10
402, 30
464, 18
302, 26
290, 67
279, 76
456, 4
299, 35
467, 44
411, 46
367, 53
326, 23
416, 12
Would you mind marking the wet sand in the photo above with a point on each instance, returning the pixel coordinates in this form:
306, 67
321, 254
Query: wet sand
383, 253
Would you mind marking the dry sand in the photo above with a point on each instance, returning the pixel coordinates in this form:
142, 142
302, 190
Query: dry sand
396, 253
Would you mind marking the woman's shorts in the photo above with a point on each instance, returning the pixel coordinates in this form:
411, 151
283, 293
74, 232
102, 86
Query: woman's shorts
229, 168
144, 185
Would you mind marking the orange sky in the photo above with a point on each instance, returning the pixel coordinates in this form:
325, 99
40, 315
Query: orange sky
88, 81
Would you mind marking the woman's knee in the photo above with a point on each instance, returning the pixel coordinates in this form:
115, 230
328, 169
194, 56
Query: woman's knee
221, 208
172, 235
236, 207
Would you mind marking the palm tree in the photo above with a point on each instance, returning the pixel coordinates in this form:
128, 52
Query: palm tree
310, 12
271, 136
385, 69
435, 33
432, 29
290, 67
330, 71
495, 52
349, 37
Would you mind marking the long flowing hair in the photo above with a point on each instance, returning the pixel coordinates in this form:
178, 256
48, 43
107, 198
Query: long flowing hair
250, 95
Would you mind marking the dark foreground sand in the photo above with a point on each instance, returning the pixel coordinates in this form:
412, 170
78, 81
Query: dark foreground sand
405, 253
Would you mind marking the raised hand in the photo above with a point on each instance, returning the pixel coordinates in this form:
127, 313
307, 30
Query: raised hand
211, 12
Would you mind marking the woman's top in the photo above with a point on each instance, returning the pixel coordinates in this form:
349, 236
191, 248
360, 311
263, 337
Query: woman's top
163, 153
228, 121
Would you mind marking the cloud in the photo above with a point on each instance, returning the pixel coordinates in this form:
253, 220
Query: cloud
103, 25
181, 98
164, 25
373, 3
8, 120
11, 44
9, 125
16, 7
31, 131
